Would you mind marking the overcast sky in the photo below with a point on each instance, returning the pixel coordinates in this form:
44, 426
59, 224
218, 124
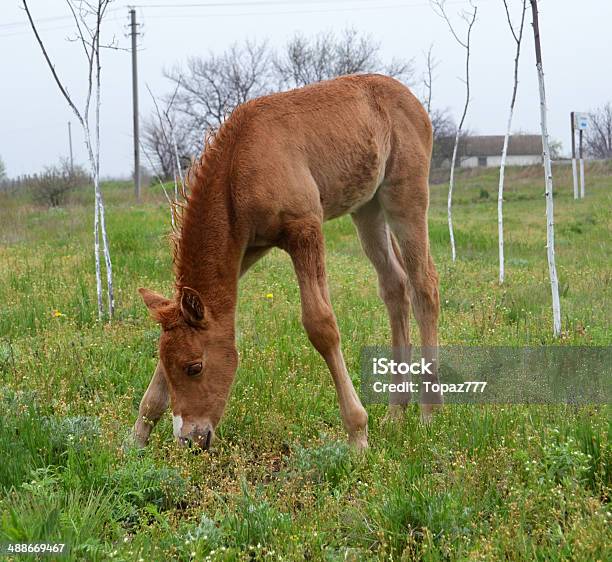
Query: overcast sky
576, 43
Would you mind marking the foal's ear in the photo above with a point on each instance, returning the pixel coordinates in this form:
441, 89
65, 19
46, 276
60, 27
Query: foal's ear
192, 307
154, 301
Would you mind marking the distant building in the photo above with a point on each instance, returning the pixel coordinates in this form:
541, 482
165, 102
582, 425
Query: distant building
485, 151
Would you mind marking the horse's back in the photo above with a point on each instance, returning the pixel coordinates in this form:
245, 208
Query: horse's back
324, 148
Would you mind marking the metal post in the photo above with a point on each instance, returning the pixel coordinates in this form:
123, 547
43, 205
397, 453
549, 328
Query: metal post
70, 147
134, 33
574, 169
581, 166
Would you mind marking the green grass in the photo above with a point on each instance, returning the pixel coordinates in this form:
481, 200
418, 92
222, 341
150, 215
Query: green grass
482, 482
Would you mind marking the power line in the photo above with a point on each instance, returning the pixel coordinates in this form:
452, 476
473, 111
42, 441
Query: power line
13, 24
291, 12
330, 9
246, 4
282, 3
43, 29
288, 13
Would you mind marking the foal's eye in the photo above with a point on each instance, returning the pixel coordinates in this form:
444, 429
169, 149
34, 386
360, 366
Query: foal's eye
194, 369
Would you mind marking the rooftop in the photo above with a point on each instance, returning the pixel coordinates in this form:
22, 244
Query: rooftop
492, 145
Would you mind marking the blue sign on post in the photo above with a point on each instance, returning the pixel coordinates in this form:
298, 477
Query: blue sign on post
581, 121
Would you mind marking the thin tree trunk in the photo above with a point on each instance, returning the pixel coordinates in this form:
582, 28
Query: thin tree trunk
100, 226
451, 183
89, 38
99, 198
550, 222
500, 193
106, 251
440, 4
97, 258
178, 161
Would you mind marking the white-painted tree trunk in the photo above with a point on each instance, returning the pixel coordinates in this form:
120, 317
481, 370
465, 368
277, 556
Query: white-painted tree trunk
89, 37
100, 227
107, 256
98, 191
97, 257
500, 195
550, 221
575, 178
451, 184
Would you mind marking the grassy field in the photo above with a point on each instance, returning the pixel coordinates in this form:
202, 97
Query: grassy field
482, 482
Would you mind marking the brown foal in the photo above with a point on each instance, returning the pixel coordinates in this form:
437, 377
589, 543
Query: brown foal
277, 168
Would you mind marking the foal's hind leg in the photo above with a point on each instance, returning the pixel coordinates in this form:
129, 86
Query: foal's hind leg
405, 206
393, 289
303, 240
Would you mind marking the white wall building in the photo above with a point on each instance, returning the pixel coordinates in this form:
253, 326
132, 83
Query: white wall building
485, 151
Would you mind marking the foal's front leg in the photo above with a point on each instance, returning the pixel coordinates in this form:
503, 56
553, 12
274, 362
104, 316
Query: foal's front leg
304, 242
152, 406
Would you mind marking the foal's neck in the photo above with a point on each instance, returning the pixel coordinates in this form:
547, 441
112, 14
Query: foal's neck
210, 249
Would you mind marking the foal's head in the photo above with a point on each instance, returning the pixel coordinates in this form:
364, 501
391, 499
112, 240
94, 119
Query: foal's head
199, 360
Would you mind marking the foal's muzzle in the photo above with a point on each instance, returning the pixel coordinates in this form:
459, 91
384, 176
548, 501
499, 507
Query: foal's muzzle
198, 440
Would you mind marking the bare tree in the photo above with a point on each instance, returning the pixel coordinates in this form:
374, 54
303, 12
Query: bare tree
327, 55
162, 137
209, 88
158, 142
550, 221
428, 77
443, 126
599, 134
469, 17
88, 16
444, 136
518, 38
154, 171
2, 170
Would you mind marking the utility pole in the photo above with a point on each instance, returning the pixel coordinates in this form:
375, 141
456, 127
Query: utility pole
70, 147
134, 33
550, 222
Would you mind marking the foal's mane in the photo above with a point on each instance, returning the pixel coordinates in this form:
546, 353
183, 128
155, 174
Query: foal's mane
199, 190
191, 188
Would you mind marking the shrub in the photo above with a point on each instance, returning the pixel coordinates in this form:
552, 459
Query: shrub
54, 184
253, 521
141, 483
331, 463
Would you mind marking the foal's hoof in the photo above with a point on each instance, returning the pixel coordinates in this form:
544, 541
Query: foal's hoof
134, 441
395, 413
359, 440
428, 411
